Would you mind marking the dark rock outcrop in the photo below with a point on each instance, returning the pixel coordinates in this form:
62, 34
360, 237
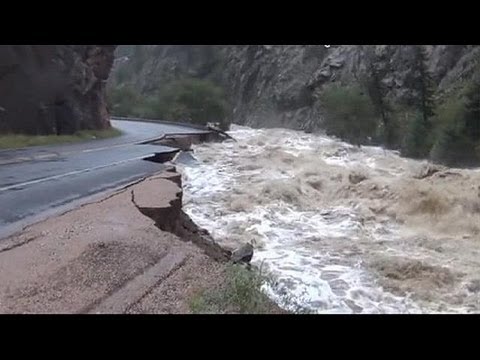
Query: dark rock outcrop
54, 89
243, 254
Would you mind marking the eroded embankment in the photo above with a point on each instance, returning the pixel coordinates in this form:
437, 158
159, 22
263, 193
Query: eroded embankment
170, 216
108, 257
134, 251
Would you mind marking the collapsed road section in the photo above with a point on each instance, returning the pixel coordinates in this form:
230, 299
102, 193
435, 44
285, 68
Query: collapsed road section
36, 183
108, 257
133, 251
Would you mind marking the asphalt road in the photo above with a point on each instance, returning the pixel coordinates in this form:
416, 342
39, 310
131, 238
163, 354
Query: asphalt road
39, 181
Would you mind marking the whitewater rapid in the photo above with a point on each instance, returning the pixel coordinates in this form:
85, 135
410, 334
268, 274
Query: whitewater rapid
340, 229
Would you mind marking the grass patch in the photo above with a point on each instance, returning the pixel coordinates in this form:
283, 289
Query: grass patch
15, 141
239, 293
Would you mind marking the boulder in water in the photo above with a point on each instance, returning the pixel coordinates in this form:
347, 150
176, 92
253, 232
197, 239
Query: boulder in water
356, 178
243, 254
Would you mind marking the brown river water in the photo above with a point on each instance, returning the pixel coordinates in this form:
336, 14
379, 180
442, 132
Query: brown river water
340, 228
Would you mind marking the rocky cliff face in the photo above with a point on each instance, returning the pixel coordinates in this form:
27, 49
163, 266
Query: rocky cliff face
54, 89
148, 67
279, 85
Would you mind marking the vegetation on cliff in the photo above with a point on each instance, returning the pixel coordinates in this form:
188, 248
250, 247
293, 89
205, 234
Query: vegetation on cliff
188, 100
349, 113
446, 130
449, 133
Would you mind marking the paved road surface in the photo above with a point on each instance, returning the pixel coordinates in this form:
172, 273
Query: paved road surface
38, 181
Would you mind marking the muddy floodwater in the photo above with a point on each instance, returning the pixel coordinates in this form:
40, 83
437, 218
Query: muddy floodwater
340, 228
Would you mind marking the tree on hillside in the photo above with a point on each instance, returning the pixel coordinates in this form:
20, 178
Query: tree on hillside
424, 85
418, 141
349, 113
453, 148
377, 92
472, 110
122, 100
459, 136
415, 144
197, 101
139, 57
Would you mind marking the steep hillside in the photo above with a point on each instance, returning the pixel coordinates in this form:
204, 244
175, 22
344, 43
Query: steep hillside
278, 84
415, 93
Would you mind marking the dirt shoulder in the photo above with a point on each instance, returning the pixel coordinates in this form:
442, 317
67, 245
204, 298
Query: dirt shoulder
109, 257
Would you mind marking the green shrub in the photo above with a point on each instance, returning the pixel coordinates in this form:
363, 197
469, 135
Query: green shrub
188, 100
122, 100
240, 293
453, 144
349, 113
193, 100
123, 74
472, 108
451, 113
416, 144
391, 133
453, 148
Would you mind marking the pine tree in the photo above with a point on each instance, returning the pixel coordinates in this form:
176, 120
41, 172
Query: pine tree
472, 110
415, 144
377, 92
453, 148
424, 85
